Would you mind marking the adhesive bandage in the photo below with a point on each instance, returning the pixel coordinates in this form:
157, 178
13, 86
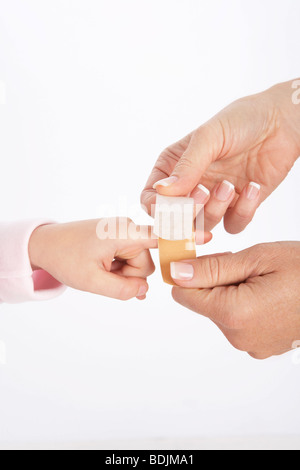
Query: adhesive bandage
174, 227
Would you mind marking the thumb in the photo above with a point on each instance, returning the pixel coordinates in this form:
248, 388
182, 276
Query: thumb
205, 146
217, 270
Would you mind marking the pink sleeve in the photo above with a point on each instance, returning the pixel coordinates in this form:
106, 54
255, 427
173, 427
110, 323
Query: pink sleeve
18, 283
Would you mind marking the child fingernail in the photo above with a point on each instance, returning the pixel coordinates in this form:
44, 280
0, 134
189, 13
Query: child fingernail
166, 182
182, 271
253, 191
142, 291
224, 191
201, 194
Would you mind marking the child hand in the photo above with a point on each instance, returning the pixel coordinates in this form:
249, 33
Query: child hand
74, 255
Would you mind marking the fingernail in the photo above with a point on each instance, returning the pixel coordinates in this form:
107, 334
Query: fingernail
166, 182
182, 271
142, 291
224, 192
201, 194
253, 191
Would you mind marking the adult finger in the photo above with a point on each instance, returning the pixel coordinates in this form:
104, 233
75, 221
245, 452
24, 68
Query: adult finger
210, 303
205, 146
212, 271
219, 202
240, 215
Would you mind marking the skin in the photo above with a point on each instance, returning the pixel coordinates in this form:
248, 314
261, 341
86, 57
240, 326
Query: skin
252, 296
74, 255
255, 139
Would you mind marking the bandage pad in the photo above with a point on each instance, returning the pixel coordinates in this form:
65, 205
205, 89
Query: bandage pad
172, 251
174, 225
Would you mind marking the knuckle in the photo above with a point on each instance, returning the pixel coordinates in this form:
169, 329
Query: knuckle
212, 217
244, 214
166, 161
211, 268
185, 163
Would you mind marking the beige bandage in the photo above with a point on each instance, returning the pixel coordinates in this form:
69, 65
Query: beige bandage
174, 226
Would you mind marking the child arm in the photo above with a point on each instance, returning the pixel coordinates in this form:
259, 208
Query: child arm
18, 281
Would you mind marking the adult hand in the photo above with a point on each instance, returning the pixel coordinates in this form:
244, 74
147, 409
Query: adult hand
252, 296
239, 157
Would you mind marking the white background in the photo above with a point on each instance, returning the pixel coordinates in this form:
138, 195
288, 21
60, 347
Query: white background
94, 91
